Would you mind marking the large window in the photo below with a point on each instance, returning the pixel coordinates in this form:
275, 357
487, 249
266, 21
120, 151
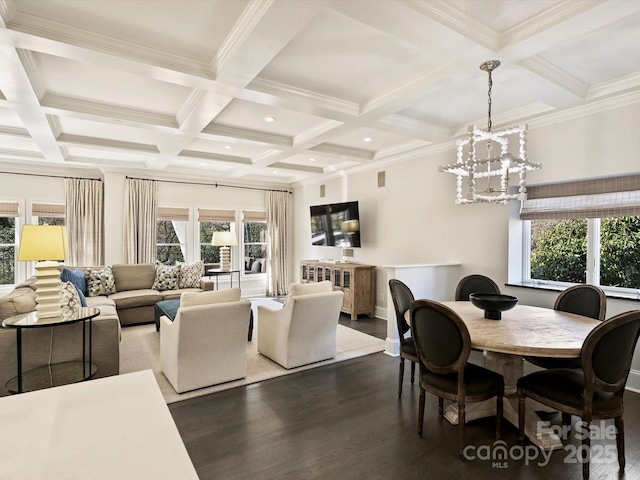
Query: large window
210, 221
583, 232
172, 235
9, 216
255, 241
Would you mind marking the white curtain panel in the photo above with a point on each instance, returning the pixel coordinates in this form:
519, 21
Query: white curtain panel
277, 204
140, 222
84, 218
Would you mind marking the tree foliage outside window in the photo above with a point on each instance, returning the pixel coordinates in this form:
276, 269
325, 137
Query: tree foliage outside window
169, 248
208, 252
620, 252
51, 221
7, 250
559, 251
255, 247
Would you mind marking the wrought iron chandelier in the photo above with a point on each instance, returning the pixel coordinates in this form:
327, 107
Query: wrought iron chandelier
495, 167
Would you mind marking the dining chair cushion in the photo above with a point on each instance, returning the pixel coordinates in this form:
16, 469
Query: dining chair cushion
566, 386
408, 347
478, 381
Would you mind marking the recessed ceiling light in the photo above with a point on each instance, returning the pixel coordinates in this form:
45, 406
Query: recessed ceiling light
269, 119
228, 147
312, 159
275, 172
367, 139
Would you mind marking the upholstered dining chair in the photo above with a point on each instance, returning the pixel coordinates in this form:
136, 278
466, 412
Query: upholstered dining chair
586, 300
475, 284
596, 390
402, 298
443, 345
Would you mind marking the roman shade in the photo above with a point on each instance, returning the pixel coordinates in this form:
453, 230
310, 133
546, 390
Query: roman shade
9, 209
598, 198
173, 213
211, 215
253, 216
47, 210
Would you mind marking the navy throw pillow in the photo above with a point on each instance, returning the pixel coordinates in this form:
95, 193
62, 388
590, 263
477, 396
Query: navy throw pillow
77, 277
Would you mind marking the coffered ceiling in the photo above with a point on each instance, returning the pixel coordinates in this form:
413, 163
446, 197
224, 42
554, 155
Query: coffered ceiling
187, 87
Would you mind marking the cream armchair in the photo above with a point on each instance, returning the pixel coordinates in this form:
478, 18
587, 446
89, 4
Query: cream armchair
205, 344
303, 331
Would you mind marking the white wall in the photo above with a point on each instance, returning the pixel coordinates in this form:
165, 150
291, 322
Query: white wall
413, 219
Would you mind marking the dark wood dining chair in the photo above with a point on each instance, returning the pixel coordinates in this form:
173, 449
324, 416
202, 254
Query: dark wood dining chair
596, 390
475, 284
586, 300
402, 298
443, 345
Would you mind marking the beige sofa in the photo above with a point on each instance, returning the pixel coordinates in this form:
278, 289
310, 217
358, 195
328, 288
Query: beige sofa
133, 303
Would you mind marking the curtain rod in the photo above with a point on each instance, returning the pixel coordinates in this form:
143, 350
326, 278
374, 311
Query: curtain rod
49, 176
213, 185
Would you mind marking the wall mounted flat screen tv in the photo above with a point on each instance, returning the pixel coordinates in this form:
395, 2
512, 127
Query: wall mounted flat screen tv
336, 225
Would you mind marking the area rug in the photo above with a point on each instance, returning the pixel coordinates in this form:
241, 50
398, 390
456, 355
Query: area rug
140, 350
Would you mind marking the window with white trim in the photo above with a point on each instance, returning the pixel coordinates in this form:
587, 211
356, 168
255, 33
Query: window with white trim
254, 225
172, 235
583, 232
9, 224
209, 221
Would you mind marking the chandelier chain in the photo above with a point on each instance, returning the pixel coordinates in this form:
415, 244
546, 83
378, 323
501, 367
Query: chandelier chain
489, 123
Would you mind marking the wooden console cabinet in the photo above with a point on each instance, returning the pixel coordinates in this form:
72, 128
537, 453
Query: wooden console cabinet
355, 280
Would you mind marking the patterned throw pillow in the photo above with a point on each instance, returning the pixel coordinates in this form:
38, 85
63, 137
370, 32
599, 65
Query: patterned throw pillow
190, 275
166, 277
69, 299
100, 282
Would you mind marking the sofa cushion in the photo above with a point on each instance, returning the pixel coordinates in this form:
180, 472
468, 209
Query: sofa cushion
166, 277
188, 299
77, 277
20, 300
190, 275
98, 302
172, 294
100, 282
136, 298
138, 276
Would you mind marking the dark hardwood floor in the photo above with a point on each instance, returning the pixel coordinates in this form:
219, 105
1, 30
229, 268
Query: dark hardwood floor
344, 421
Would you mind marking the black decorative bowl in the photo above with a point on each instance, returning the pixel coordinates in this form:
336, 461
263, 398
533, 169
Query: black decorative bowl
493, 304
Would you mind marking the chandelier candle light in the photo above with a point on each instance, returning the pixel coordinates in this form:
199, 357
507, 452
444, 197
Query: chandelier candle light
48, 245
500, 165
224, 240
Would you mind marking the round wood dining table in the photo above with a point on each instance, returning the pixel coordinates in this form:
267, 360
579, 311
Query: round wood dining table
523, 331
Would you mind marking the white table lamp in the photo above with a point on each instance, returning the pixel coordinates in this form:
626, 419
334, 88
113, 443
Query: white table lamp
47, 244
224, 240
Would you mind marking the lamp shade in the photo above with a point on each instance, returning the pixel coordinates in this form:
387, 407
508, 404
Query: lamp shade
224, 239
43, 242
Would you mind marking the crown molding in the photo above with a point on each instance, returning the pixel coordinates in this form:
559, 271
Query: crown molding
449, 16
33, 72
614, 87
304, 96
316, 131
558, 77
105, 144
294, 167
14, 132
20, 154
400, 150
355, 153
552, 16
241, 133
214, 156
40, 27
244, 26
109, 113
7, 10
